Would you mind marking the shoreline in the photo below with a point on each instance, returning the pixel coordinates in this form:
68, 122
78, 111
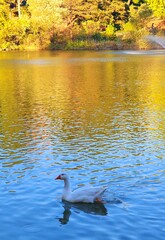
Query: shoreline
92, 46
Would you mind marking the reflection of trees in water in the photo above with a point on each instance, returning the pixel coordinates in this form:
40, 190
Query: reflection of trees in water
96, 89
90, 208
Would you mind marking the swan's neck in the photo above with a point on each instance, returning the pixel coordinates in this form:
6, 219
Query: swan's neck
67, 188
67, 184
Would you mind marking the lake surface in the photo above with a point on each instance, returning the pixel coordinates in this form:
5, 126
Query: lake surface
98, 116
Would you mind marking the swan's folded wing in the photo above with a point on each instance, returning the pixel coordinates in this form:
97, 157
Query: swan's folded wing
87, 194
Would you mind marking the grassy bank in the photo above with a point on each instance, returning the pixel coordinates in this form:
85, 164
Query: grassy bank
119, 43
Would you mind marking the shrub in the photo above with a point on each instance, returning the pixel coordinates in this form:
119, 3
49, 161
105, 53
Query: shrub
129, 27
13, 33
110, 30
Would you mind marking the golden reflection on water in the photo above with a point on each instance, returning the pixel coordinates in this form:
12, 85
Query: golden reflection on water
78, 90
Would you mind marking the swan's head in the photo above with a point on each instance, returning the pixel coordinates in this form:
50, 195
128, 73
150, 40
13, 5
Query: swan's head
62, 176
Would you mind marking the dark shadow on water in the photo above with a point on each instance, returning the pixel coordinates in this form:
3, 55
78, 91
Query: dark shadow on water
90, 208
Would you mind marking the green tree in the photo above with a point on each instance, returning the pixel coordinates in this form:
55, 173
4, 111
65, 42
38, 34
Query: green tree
157, 6
4, 12
45, 19
103, 11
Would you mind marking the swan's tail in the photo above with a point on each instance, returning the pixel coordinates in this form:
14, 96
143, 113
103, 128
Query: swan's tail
100, 192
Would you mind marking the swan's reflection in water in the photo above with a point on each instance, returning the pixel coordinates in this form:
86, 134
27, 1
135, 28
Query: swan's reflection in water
91, 208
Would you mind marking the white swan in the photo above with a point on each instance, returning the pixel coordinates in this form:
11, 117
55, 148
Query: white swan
85, 194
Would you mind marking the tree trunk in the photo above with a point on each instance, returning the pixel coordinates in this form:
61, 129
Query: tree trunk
19, 9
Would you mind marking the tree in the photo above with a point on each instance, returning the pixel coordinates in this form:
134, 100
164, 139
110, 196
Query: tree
45, 19
157, 6
136, 2
103, 12
19, 8
4, 12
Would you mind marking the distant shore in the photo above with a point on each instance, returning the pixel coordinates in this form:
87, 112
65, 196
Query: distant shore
117, 44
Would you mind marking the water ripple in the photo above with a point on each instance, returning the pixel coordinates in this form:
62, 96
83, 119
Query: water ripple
92, 116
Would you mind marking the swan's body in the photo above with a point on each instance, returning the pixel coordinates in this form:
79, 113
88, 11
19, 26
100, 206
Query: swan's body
85, 194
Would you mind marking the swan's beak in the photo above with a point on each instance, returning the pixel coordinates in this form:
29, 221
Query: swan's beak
59, 177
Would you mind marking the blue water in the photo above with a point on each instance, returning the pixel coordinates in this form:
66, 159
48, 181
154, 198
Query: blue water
99, 116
